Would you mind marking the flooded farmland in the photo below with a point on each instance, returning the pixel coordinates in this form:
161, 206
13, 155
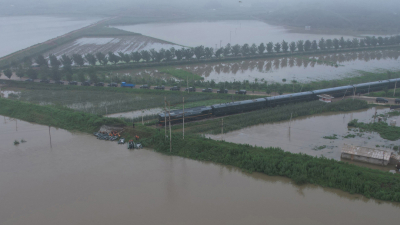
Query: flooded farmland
212, 34
64, 178
307, 134
24, 31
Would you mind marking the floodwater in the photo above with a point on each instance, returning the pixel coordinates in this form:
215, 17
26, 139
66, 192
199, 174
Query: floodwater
212, 34
302, 69
73, 178
20, 32
306, 134
137, 113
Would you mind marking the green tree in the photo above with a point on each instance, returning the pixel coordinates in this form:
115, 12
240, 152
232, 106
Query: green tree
44, 72
168, 55
292, 46
101, 57
253, 49
329, 44
8, 73
245, 49
93, 76
135, 56
20, 72
314, 45
66, 61
261, 49
367, 40
199, 51
300, 45
277, 47
349, 43
145, 55
55, 74
41, 61
342, 43
160, 55
270, 47
124, 57
32, 73
81, 76
78, 59
362, 43
219, 52
91, 59
336, 43
285, 46
113, 58
322, 44
54, 62
380, 41
179, 54
208, 52
227, 50
374, 41
355, 43
189, 53
27, 62
236, 50
307, 45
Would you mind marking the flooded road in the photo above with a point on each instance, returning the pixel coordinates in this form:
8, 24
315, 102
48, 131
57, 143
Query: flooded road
212, 34
307, 134
77, 179
20, 32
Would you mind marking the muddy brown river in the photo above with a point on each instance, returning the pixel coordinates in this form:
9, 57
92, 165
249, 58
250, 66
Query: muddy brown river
73, 178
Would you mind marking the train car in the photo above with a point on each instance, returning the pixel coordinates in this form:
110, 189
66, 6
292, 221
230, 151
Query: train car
336, 91
394, 83
290, 98
191, 114
237, 107
371, 86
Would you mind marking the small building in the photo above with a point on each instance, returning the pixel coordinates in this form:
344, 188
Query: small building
325, 98
364, 154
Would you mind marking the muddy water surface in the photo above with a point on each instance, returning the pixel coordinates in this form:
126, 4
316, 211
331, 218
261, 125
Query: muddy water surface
77, 179
307, 134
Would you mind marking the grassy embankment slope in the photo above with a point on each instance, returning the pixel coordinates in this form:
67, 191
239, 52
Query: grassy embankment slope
59, 117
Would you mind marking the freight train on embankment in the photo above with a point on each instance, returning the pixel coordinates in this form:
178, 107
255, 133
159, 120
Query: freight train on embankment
203, 112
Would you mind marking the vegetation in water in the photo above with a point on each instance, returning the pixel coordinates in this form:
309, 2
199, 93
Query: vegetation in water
181, 74
16, 142
317, 148
391, 133
275, 162
334, 136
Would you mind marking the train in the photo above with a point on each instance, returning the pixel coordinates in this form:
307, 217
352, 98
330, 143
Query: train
203, 112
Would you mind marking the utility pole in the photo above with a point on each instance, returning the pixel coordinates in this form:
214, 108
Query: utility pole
183, 131
142, 118
165, 117
170, 134
187, 83
394, 91
222, 127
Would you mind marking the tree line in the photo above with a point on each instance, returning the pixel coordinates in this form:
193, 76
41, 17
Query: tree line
50, 67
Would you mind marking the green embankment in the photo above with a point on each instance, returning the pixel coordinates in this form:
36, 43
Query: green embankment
181, 74
269, 115
59, 117
391, 133
275, 162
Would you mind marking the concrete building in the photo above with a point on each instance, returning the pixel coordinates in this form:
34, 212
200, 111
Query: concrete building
368, 155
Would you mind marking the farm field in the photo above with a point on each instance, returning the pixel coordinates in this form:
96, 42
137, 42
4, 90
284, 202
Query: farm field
24, 31
125, 44
211, 34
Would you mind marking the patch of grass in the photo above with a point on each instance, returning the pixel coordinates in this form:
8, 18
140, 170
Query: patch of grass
334, 136
60, 117
317, 148
350, 136
181, 74
391, 133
